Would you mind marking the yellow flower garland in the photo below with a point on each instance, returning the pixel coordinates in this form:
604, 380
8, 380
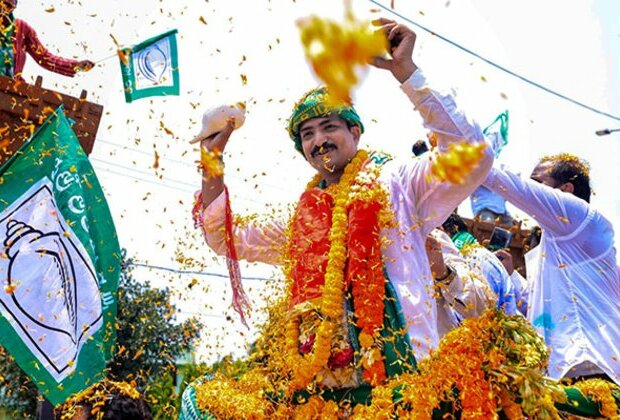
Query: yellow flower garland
600, 392
229, 398
306, 367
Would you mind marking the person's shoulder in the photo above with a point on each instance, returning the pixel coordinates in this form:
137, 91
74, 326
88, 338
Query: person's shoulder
596, 216
22, 25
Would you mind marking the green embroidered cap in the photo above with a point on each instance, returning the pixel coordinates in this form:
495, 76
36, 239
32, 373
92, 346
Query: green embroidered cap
317, 103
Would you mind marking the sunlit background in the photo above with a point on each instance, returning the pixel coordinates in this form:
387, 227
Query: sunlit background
233, 50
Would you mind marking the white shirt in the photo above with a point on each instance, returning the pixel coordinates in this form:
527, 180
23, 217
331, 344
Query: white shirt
574, 299
419, 205
467, 295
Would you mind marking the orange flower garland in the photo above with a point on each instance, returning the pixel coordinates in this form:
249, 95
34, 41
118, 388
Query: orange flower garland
306, 367
369, 211
509, 360
360, 209
229, 398
492, 360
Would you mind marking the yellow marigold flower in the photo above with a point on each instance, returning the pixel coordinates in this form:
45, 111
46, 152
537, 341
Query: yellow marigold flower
457, 162
337, 51
211, 162
600, 391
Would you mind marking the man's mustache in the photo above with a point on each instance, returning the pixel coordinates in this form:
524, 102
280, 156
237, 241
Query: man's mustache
322, 148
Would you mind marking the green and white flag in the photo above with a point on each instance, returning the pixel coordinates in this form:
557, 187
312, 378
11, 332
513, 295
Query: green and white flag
497, 132
59, 263
151, 68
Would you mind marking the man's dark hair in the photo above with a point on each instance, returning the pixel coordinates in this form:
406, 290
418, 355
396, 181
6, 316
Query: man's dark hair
570, 168
118, 406
122, 407
419, 147
534, 238
454, 224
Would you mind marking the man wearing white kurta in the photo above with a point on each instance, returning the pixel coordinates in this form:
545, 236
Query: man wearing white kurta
418, 202
574, 299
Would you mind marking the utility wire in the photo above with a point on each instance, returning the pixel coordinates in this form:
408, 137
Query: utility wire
142, 172
184, 163
197, 273
491, 63
144, 180
191, 191
142, 152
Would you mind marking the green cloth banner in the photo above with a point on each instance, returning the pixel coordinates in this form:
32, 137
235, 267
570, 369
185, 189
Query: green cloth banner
59, 263
151, 68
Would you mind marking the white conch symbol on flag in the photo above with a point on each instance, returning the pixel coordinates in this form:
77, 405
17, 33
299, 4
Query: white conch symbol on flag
23, 244
153, 63
51, 296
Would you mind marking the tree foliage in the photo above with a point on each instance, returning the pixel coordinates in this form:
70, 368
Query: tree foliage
18, 395
149, 341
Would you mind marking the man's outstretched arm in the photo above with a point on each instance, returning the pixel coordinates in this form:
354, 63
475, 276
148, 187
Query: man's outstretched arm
434, 200
47, 60
554, 210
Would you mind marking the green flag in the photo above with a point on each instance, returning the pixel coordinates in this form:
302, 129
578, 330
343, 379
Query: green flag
497, 132
59, 263
151, 68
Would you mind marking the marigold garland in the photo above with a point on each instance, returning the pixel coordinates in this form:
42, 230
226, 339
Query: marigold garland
600, 392
492, 361
369, 213
317, 408
306, 367
242, 398
508, 353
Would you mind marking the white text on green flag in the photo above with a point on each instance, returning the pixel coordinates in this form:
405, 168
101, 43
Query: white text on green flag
151, 68
59, 263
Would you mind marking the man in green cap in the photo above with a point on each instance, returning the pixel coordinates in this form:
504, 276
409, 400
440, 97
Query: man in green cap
357, 239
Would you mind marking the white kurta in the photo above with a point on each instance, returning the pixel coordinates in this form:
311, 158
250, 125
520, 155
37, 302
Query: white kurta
468, 295
419, 204
574, 300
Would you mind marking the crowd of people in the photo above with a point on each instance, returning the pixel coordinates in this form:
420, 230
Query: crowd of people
376, 252
434, 272
571, 292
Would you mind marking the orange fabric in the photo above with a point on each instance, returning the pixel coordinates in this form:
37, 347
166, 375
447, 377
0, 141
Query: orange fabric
310, 245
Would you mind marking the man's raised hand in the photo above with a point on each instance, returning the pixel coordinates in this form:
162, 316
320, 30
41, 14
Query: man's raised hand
218, 140
401, 40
